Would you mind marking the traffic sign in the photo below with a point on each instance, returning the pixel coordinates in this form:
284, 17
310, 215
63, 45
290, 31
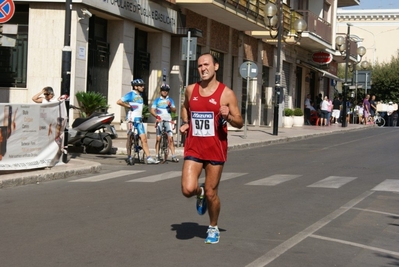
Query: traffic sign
7, 9
248, 69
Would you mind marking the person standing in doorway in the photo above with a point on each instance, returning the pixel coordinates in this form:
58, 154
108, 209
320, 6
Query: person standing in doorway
308, 107
208, 106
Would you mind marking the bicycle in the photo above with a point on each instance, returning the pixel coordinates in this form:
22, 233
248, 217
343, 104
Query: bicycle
163, 150
136, 146
378, 120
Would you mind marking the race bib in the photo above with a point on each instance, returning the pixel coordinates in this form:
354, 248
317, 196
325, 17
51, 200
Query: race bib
202, 123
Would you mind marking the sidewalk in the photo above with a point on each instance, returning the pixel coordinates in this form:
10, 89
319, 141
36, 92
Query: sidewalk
254, 136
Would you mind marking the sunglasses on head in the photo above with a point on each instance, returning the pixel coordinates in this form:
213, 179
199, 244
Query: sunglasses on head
46, 94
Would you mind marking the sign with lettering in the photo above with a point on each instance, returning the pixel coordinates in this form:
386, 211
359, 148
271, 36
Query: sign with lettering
31, 135
322, 57
142, 11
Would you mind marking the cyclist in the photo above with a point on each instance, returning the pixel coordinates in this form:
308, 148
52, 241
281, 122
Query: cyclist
134, 101
161, 109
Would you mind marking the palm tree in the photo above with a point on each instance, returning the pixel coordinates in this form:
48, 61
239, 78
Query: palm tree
90, 102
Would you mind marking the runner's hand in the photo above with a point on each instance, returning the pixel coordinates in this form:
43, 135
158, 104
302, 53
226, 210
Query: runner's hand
224, 111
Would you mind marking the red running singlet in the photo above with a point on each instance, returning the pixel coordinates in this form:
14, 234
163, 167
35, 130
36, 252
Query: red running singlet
207, 135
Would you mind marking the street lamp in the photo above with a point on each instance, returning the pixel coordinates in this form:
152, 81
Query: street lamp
343, 45
274, 21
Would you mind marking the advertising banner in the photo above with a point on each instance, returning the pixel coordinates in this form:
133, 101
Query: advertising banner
31, 135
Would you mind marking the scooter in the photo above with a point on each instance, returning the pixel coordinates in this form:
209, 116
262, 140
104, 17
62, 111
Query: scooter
94, 133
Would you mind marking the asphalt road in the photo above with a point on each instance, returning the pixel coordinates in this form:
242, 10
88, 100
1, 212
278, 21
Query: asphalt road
326, 201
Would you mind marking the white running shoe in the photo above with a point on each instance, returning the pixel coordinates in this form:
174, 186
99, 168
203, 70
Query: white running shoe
151, 160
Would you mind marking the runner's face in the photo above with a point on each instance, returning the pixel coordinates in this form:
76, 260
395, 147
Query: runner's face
206, 68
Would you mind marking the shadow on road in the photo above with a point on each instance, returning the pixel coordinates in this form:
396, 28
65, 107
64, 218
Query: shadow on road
189, 230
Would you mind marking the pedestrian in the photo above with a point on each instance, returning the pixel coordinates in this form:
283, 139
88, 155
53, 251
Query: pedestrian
390, 112
330, 107
366, 109
308, 107
161, 109
324, 111
336, 109
359, 111
46, 95
373, 107
208, 106
134, 101
319, 99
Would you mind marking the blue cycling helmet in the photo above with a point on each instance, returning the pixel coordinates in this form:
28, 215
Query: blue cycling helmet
165, 87
137, 82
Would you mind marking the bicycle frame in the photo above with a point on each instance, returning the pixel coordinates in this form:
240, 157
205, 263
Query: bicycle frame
163, 150
135, 144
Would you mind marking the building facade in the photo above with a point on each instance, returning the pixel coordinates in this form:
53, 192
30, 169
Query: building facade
113, 42
376, 29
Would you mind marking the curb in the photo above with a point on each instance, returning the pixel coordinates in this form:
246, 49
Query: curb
59, 171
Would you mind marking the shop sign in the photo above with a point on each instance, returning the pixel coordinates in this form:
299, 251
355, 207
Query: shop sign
322, 58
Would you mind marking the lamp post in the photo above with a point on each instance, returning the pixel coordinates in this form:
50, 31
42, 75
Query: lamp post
343, 45
274, 21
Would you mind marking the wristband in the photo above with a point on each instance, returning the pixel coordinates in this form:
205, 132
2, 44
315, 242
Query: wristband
184, 122
229, 119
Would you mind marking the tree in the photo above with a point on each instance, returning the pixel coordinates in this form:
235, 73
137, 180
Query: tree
385, 80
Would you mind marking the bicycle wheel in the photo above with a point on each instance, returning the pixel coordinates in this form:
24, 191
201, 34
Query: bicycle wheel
131, 148
138, 149
380, 122
163, 148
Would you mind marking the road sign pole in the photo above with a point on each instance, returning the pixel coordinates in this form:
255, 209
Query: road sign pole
180, 91
246, 100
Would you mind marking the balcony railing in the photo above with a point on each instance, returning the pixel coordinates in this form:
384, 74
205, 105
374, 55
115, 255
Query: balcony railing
317, 25
253, 8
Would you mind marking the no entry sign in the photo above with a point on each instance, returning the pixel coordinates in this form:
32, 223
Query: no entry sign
7, 9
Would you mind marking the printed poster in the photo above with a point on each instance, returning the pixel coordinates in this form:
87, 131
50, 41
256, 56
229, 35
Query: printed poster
31, 135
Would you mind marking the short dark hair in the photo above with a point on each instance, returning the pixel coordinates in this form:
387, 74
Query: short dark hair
49, 90
214, 59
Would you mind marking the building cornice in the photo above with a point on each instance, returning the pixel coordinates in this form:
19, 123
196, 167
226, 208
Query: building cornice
368, 14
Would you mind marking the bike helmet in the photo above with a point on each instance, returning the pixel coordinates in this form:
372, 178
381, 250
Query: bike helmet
137, 82
165, 87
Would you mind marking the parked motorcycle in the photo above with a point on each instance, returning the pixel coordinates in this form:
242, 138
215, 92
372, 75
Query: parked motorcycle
94, 133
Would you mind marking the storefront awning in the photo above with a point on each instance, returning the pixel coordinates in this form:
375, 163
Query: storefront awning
323, 72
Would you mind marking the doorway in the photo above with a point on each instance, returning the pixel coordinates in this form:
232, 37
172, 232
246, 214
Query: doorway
98, 57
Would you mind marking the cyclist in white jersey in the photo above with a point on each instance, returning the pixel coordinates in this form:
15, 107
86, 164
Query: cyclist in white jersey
134, 101
161, 109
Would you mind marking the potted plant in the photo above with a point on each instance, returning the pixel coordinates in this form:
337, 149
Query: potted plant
288, 121
90, 102
298, 117
146, 113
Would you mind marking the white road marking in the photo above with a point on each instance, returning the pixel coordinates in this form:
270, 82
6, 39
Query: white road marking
225, 176
333, 182
274, 179
389, 185
288, 244
376, 211
158, 177
106, 176
394, 253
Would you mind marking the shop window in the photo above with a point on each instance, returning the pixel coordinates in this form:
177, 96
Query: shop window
13, 59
